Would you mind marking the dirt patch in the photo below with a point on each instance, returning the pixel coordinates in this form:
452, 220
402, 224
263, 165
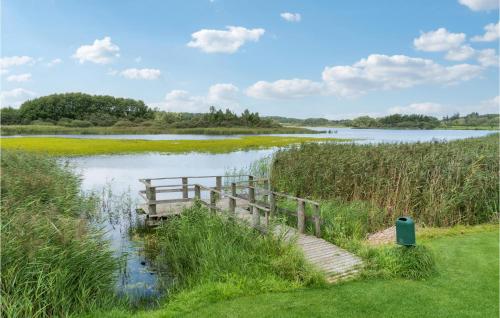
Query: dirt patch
386, 236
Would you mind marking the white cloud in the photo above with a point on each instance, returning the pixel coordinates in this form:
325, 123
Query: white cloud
222, 95
385, 72
460, 54
6, 62
426, 108
222, 41
143, 73
222, 92
54, 62
438, 40
487, 57
100, 52
19, 77
491, 105
291, 17
492, 33
15, 97
480, 5
284, 89
3, 71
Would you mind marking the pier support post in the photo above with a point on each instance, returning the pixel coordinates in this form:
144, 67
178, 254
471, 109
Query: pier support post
185, 194
301, 217
232, 201
317, 221
151, 196
197, 192
255, 216
265, 198
212, 201
272, 204
251, 190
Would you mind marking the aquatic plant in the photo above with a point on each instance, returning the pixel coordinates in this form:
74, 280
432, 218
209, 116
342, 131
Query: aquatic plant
438, 183
81, 147
53, 263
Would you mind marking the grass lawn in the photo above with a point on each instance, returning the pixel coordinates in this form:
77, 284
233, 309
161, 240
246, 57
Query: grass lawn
466, 286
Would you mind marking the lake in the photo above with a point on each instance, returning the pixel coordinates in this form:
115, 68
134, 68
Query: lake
120, 174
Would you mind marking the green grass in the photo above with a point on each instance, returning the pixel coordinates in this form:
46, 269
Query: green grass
214, 257
81, 147
53, 263
7, 130
438, 183
466, 286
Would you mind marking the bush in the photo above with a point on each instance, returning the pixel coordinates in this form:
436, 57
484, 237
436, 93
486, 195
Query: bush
53, 263
80, 123
124, 123
42, 122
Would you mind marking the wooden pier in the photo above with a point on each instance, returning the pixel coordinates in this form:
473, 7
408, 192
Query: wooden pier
251, 201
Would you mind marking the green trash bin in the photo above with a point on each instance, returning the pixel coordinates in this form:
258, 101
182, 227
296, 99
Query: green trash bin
405, 231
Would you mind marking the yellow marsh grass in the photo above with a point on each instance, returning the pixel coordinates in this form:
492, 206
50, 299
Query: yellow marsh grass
82, 147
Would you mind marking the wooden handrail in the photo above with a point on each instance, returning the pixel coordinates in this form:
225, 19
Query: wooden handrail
219, 191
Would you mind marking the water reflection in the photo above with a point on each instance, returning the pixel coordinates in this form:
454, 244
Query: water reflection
115, 180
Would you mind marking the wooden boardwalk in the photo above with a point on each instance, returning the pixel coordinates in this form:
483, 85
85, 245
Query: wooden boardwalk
335, 262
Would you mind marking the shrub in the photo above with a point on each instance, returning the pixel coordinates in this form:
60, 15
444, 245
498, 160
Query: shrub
79, 123
124, 123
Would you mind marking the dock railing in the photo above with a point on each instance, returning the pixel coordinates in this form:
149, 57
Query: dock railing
256, 194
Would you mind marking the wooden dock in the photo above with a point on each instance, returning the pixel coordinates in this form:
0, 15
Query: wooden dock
255, 207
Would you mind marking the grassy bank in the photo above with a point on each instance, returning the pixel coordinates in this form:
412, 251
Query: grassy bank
215, 258
53, 264
439, 183
9, 130
80, 147
466, 286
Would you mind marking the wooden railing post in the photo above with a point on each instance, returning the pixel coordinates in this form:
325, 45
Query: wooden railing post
151, 196
317, 221
251, 189
185, 193
197, 192
232, 201
266, 188
212, 201
255, 216
218, 183
272, 204
301, 217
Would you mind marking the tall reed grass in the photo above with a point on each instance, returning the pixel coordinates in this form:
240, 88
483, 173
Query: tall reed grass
53, 263
439, 183
203, 248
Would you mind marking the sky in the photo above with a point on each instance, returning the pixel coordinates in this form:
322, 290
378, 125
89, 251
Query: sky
332, 59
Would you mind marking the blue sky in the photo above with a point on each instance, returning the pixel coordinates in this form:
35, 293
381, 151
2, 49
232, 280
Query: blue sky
334, 59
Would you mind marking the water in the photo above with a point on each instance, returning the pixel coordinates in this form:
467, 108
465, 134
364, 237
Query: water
362, 135
116, 177
120, 174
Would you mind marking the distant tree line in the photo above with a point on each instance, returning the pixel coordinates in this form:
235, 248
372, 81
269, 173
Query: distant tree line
84, 110
399, 121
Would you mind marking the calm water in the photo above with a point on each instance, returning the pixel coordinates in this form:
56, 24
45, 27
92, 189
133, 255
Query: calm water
120, 174
363, 135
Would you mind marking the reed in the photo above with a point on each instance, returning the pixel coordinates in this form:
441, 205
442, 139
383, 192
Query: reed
204, 248
53, 263
438, 183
